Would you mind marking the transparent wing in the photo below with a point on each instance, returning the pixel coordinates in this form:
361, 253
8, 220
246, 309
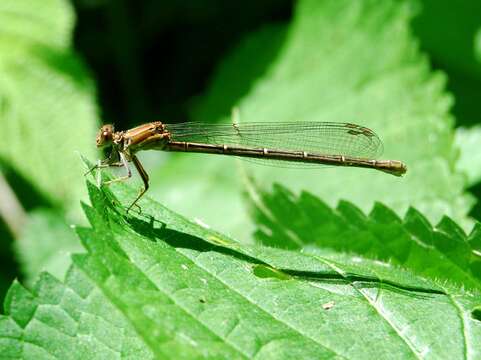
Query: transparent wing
326, 138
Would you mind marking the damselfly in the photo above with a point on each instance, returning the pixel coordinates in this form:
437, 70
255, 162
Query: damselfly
291, 144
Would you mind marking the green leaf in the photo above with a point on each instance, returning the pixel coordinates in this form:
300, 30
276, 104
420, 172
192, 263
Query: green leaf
45, 245
305, 223
452, 47
340, 61
452, 43
468, 140
155, 285
48, 22
47, 106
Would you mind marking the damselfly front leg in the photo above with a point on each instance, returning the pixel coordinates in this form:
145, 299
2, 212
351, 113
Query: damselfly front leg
101, 164
123, 162
104, 164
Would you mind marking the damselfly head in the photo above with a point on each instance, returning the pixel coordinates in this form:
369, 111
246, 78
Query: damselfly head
105, 136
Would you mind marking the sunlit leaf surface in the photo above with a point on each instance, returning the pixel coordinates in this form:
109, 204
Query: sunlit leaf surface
47, 106
158, 286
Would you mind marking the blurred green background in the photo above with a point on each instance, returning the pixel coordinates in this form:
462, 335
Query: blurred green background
131, 62
153, 58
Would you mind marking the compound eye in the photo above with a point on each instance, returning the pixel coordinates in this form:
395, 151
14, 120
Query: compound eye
105, 135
